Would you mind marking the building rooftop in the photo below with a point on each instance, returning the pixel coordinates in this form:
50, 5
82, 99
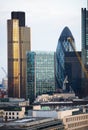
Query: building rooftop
30, 123
66, 33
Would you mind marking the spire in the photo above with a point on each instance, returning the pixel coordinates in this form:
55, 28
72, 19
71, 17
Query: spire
87, 4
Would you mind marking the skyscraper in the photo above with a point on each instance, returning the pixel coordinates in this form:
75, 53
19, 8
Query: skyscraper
18, 44
40, 74
66, 43
84, 39
73, 72
84, 29
68, 67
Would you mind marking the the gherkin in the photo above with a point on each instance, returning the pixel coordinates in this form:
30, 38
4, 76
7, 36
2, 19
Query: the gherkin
66, 46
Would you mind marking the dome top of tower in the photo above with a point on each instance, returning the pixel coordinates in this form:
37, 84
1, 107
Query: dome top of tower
66, 33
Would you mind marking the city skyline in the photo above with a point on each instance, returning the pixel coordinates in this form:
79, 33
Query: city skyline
46, 18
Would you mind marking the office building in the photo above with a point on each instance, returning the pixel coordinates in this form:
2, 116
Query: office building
68, 64
73, 71
66, 43
84, 38
40, 74
18, 43
84, 29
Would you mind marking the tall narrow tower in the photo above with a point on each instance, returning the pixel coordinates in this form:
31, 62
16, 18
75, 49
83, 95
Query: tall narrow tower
18, 44
84, 40
84, 29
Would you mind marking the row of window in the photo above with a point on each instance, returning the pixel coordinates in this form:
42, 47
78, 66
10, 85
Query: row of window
11, 113
12, 117
77, 118
78, 124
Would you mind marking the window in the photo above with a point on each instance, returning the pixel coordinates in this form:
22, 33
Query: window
17, 113
13, 113
6, 113
9, 113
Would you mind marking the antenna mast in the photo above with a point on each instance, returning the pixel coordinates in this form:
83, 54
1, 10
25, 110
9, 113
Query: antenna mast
87, 4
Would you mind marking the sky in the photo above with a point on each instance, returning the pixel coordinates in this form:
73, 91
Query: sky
46, 18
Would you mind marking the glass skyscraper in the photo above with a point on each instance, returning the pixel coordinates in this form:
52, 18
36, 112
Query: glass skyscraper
66, 43
84, 40
84, 29
40, 74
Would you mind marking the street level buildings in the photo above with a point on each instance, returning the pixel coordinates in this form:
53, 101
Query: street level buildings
74, 118
32, 123
13, 113
18, 43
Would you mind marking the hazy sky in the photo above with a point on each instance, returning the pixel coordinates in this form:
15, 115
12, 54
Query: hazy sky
47, 18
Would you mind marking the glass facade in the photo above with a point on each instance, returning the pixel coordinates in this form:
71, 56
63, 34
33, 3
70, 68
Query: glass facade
40, 73
73, 72
65, 44
84, 38
13, 57
30, 89
84, 29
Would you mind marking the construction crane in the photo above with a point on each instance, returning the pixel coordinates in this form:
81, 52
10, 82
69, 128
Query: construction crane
4, 71
65, 82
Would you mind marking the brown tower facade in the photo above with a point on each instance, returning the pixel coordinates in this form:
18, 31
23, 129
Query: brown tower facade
18, 44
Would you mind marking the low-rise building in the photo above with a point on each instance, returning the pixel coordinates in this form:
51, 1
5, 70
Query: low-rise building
73, 118
58, 114
12, 113
32, 123
76, 122
55, 97
13, 102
